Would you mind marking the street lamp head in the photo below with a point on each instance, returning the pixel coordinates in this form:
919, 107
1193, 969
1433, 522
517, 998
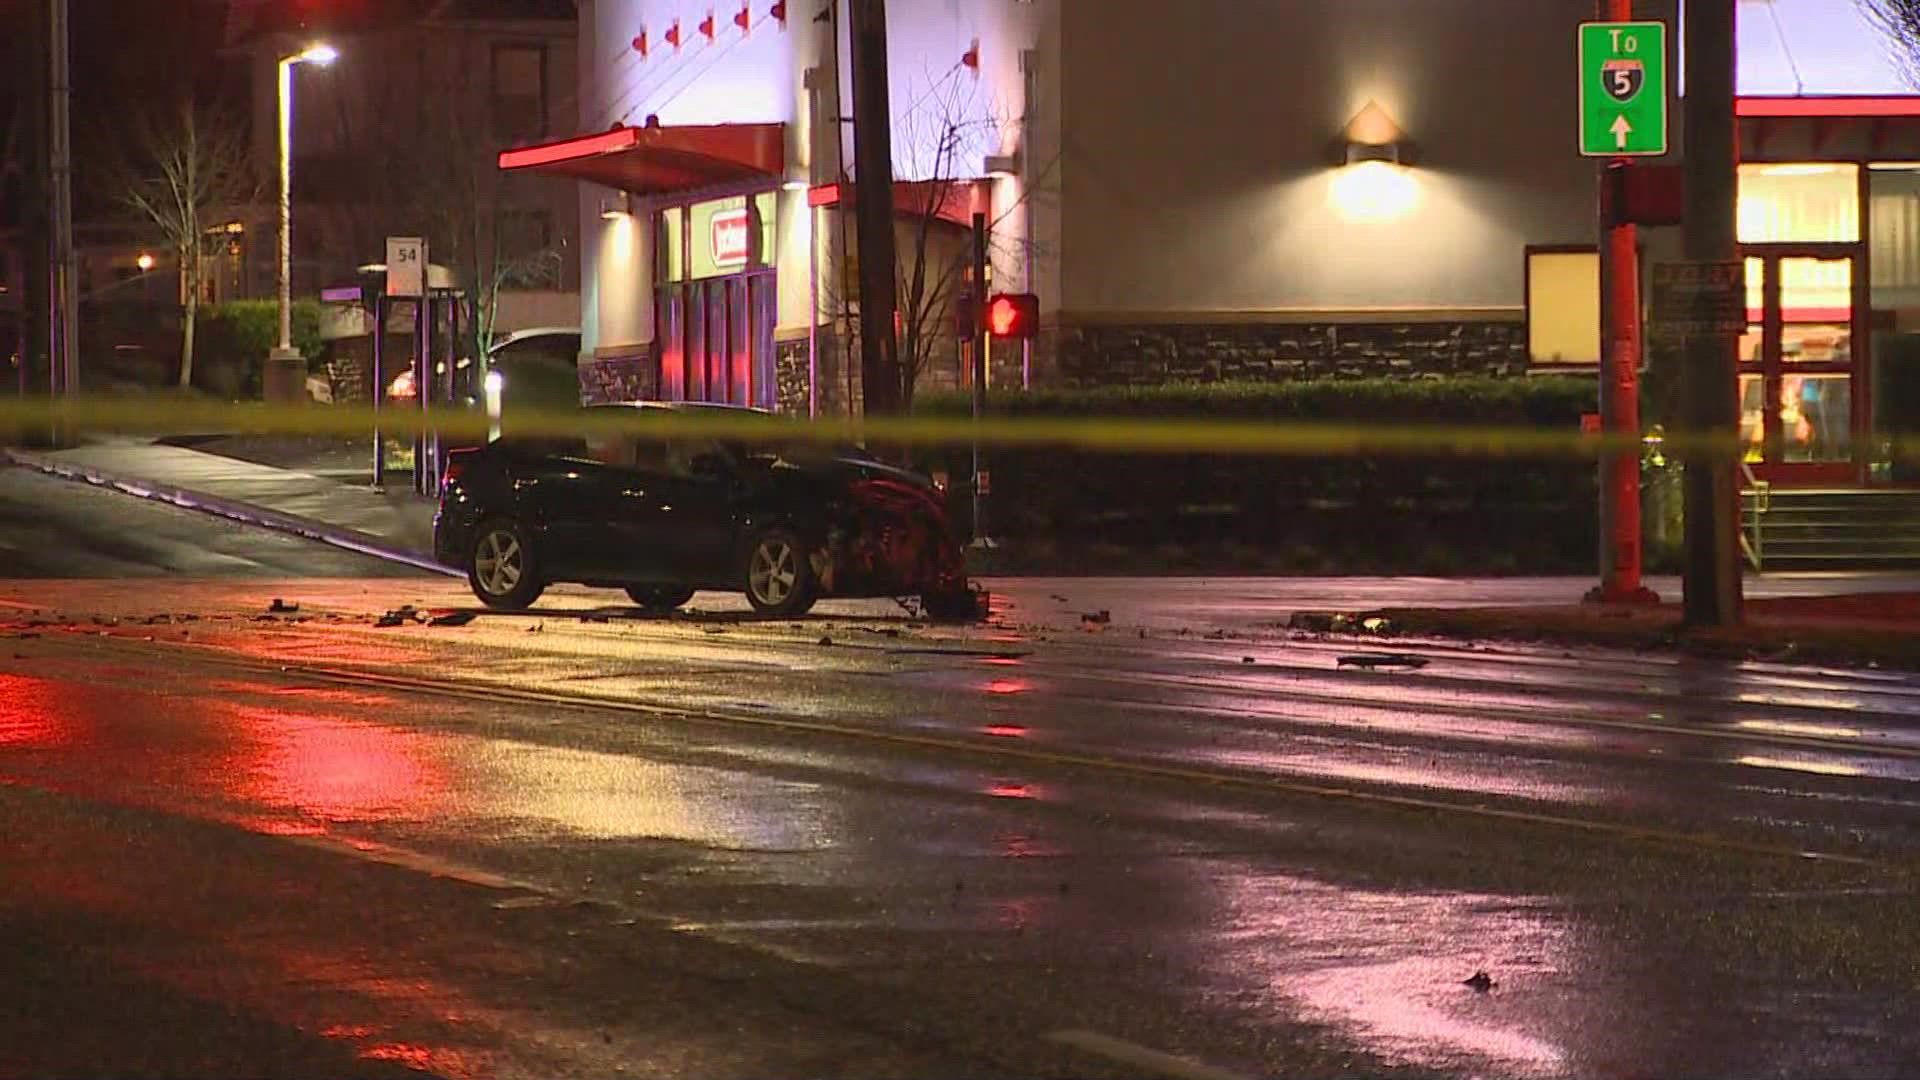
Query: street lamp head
144, 262
322, 54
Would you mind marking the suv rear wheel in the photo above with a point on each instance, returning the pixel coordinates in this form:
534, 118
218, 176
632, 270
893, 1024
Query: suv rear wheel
502, 569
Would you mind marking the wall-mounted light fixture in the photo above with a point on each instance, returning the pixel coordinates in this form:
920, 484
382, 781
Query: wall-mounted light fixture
1002, 166
616, 206
1372, 135
1372, 182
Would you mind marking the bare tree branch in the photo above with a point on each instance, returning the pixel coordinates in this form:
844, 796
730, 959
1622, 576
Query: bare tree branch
183, 169
1899, 22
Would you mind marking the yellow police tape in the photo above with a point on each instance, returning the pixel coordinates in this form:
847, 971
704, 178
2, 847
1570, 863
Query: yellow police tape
1130, 435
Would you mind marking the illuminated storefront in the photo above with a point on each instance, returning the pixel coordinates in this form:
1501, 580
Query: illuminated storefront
1358, 210
1829, 225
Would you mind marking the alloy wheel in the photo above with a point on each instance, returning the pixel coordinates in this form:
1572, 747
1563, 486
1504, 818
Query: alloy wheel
773, 572
498, 562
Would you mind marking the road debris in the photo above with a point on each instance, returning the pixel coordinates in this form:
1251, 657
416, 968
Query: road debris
1381, 660
1096, 618
281, 607
1480, 981
451, 618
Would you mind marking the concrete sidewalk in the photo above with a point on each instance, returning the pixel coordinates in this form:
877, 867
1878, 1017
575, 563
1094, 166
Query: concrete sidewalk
394, 524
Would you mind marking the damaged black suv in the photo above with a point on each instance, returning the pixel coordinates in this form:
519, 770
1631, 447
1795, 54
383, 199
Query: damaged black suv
788, 523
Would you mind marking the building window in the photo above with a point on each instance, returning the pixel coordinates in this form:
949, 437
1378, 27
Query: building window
1799, 202
1563, 305
519, 91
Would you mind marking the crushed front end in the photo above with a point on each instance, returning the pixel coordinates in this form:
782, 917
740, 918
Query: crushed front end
888, 538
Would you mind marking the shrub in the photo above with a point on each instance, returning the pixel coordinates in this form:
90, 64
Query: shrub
235, 337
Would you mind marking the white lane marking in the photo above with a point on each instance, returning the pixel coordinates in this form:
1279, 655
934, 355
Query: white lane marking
1140, 1057
773, 949
417, 861
541, 895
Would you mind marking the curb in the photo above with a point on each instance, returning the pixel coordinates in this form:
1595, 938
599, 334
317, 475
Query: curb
244, 513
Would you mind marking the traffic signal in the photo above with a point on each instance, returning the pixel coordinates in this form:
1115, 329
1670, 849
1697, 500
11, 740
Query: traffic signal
1013, 315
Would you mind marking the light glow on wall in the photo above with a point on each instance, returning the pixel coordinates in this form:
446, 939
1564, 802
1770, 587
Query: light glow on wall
1374, 192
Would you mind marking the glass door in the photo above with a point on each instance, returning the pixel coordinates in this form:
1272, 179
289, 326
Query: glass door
1798, 385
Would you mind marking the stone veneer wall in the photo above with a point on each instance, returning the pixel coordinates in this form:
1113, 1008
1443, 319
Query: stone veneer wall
1120, 354
790, 377
622, 378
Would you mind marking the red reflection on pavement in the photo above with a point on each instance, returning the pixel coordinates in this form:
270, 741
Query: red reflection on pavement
332, 695
328, 769
1003, 661
1005, 731
29, 713
338, 647
1009, 686
436, 1060
1020, 846
1005, 790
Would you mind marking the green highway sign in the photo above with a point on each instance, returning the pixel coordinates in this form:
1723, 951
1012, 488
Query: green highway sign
1623, 89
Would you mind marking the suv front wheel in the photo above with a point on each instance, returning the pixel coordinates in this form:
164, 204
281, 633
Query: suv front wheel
779, 575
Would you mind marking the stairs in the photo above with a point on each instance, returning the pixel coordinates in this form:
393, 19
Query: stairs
1832, 529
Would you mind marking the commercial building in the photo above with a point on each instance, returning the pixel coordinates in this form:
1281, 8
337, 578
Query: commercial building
397, 137
1221, 189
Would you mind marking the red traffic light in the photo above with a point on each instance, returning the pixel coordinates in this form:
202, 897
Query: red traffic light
1013, 315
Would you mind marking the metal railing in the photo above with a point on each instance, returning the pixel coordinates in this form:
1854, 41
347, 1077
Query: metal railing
1752, 543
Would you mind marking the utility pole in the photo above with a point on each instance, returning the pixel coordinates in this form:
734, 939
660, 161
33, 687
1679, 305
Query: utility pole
64, 318
1620, 534
982, 346
1710, 381
873, 206
36, 202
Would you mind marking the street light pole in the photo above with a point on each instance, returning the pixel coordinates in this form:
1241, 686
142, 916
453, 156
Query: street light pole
284, 363
285, 340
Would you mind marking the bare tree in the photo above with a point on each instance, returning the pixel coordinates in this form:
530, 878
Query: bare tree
184, 169
1899, 22
941, 136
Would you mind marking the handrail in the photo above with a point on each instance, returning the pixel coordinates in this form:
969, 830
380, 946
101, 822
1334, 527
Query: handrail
1762, 498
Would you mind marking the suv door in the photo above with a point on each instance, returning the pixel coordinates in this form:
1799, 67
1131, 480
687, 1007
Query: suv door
556, 492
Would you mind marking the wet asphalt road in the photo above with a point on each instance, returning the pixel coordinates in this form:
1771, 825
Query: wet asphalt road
583, 842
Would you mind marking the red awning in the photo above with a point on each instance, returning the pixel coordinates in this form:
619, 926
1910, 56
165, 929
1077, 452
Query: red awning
661, 160
1829, 128
958, 200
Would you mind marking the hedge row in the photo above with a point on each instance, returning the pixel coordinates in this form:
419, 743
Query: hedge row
1377, 513
1555, 401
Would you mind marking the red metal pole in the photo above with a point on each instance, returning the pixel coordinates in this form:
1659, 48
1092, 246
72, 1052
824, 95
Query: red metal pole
1620, 384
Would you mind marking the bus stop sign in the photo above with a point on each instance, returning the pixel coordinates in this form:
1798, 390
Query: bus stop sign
1623, 89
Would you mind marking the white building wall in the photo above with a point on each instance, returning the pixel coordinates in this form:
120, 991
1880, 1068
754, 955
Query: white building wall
762, 77
1201, 176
